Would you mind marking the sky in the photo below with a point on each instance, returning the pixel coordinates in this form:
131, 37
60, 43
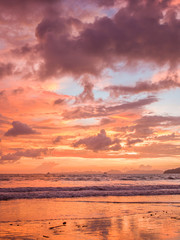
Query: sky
89, 85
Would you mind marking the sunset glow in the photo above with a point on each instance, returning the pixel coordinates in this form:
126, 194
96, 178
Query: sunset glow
89, 86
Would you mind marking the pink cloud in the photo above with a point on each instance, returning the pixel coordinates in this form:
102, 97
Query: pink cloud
158, 150
57, 139
46, 167
4, 120
102, 110
29, 153
87, 94
133, 141
143, 86
59, 101
21, 9
146, 126
6, 69
168, 137
47, 39
127, 36
18, 90
19, 129
99, 142
105, 121
156, 120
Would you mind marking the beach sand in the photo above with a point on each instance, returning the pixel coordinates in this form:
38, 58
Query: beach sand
93, 218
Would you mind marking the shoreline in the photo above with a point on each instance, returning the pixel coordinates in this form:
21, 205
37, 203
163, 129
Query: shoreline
134, 217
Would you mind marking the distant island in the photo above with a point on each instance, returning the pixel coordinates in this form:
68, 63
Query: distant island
176, 170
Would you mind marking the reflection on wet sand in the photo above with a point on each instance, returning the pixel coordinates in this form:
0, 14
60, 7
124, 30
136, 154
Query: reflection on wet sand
91, 220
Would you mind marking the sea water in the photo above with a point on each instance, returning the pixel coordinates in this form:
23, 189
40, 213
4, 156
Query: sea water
34, 186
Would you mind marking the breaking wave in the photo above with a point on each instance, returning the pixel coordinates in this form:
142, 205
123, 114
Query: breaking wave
87, 191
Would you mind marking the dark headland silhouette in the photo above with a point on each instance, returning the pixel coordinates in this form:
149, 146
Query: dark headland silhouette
175, 170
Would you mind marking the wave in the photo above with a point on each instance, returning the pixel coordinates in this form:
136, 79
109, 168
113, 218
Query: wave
87, 191
88, 177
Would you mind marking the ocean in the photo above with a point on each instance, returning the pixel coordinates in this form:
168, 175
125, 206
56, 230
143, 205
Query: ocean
36, 186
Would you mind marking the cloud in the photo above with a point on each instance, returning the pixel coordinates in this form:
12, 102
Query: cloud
158, 150
145, 167
22, 51
6, 69
133, 141
18, 90
87, 94
28, 8
105, 121
168, 137
136, 131
4, 120
143, 86
102, 110
57, 139
46, 167
99, 142
19, 129
155, 120
48, 39
29, 153
126, 37
2, 93
59, 101
106, 3
146, 126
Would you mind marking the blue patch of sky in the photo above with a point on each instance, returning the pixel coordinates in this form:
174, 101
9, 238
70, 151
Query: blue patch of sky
110, 12
126, 78
122, 77
85, 122
168, 103
70, 87
129, 78
100, 94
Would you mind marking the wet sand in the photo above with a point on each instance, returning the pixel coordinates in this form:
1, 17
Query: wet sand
93, 218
